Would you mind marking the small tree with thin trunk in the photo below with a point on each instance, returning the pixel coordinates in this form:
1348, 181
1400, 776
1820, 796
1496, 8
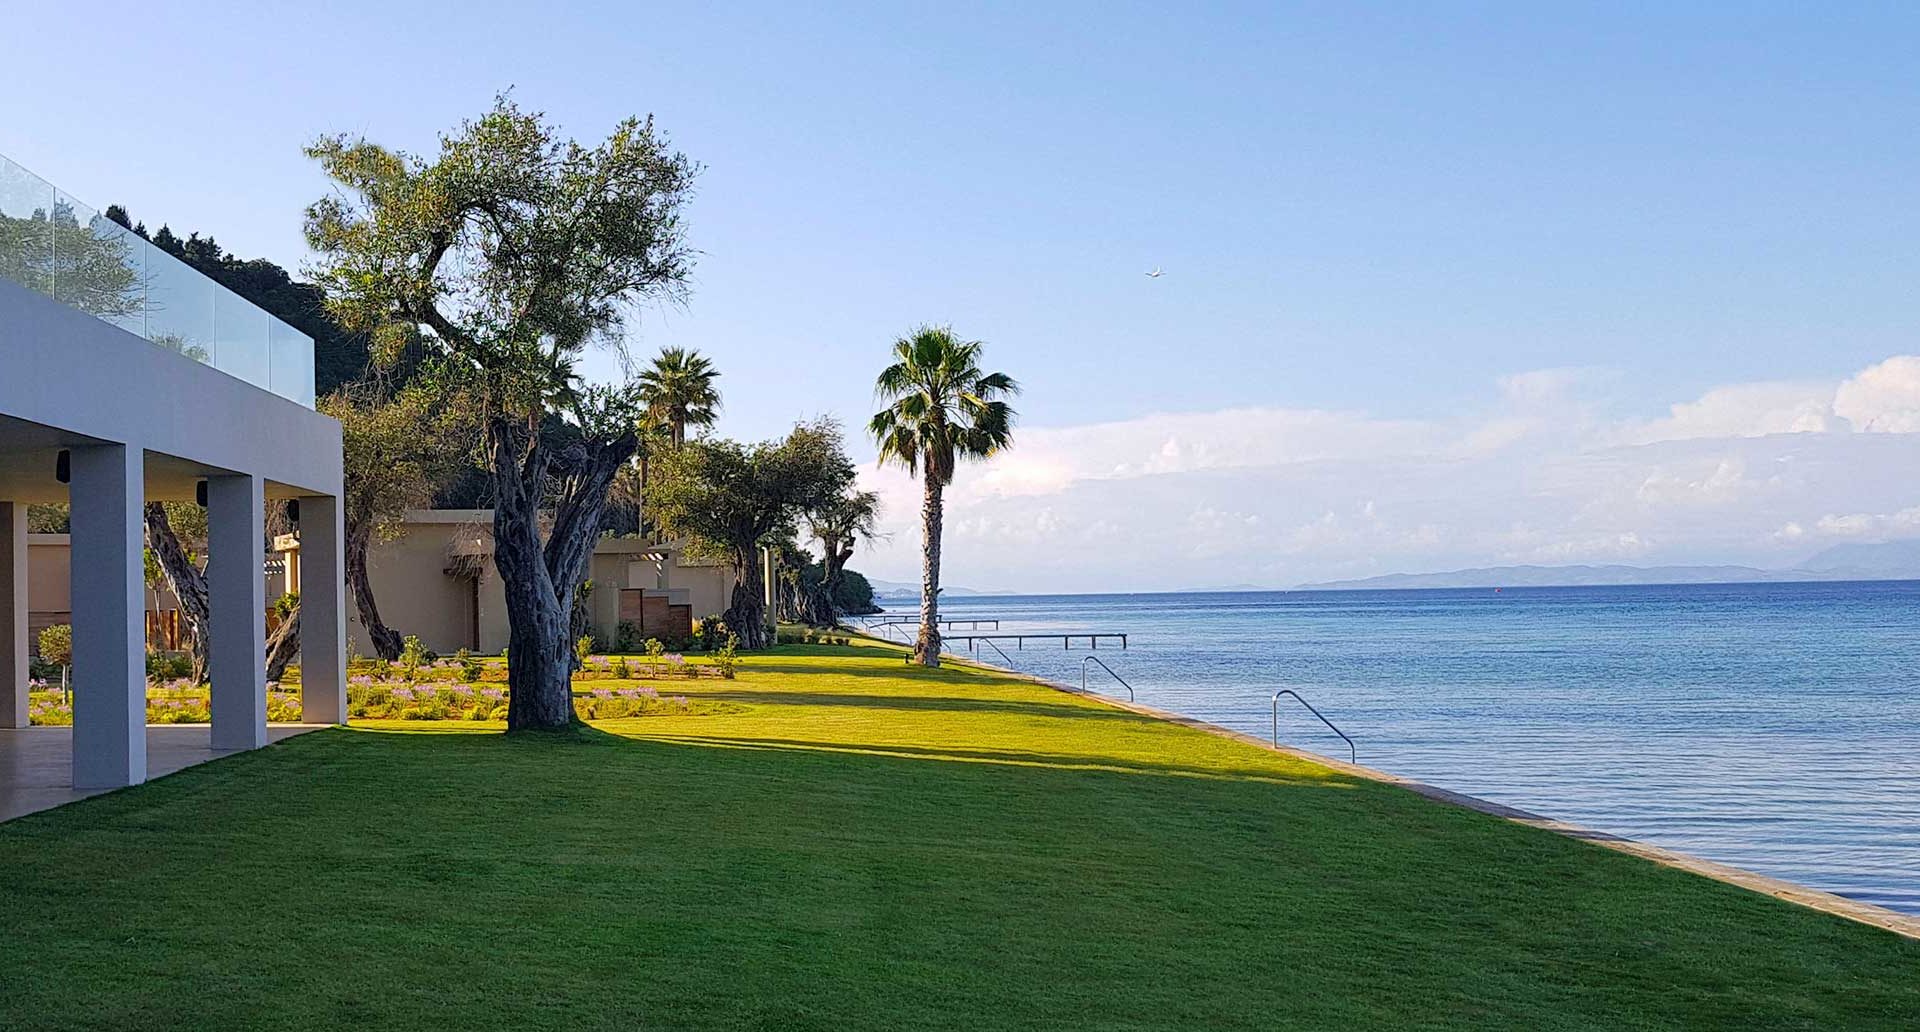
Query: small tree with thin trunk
940, 408
735, 498
505, 256
400, 447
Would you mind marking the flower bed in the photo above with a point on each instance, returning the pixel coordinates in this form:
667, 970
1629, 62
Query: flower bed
175, 702
169, 703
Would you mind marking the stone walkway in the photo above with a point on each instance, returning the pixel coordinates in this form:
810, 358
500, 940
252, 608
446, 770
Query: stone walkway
36, 763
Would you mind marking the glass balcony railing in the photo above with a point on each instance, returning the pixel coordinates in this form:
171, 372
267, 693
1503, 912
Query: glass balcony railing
52, 243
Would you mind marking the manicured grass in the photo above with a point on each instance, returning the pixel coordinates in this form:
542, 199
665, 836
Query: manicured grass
852, 845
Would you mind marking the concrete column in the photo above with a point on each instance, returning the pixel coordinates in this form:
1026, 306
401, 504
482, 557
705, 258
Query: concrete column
237, 599
109, 628
323, 612
767, 589
13, 614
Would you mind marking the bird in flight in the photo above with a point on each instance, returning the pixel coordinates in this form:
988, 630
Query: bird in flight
1156, 273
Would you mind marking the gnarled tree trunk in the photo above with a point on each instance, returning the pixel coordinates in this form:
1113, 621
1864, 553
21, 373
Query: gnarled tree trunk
385, 640
834, 554
746, 614
926, 648
283, 644
184, 578
541, 579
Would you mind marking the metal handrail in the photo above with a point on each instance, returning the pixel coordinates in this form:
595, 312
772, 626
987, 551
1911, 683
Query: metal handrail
1353, 754
1003, 655
1108, 669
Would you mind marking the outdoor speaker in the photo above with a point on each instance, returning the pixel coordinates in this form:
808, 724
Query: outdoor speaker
293, 512
63, 467
200, 493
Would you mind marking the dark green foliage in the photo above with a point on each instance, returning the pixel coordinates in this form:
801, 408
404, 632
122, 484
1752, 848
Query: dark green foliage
855, 596
339, 357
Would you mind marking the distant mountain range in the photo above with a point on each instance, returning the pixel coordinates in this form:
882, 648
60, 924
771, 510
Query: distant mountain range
895, 589
1892, 560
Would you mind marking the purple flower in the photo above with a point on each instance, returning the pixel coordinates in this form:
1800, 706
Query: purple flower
603, 693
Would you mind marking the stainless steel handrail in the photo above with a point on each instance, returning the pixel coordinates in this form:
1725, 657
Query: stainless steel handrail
1103, 666
1353, 754
1003, 655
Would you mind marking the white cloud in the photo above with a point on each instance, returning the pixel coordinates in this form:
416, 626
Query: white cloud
1742, 410
1748, 473
1883, 398
1904, 523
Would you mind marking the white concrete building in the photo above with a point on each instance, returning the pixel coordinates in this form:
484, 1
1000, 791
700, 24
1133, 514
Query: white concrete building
128, 377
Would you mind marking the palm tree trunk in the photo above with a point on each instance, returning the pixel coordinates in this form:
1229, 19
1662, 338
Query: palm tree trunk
926, 649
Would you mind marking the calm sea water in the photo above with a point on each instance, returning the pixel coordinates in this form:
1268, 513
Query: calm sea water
1773, 727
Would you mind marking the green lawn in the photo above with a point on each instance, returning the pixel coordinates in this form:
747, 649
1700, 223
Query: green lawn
850, 845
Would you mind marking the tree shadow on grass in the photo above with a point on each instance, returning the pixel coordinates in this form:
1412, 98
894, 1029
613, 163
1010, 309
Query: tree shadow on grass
1004, 757
960, 704
889, 670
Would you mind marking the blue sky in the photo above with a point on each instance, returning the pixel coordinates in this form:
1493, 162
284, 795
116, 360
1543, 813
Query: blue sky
1381, 213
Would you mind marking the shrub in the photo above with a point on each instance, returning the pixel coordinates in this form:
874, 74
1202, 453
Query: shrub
167, 666
711, 632
728, 657
413, 655
582, 649
626, 637
471, 669
620, 669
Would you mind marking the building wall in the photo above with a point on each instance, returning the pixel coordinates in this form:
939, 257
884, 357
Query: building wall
133, 393
710, 587
49, 586
418, 596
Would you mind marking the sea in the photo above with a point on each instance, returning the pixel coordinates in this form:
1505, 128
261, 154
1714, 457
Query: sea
1774, 727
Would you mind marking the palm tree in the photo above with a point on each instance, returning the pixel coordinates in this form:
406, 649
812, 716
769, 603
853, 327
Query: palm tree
678, 390
940, 408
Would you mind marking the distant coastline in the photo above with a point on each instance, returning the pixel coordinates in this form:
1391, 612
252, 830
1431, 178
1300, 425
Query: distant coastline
1854, 561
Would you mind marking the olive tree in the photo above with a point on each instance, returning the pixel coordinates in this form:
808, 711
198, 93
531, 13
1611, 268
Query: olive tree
506, 255
846, 520
735, 498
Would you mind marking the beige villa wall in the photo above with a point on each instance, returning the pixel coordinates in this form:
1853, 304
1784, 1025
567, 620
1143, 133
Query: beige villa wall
418, 596
49, 579
710, 587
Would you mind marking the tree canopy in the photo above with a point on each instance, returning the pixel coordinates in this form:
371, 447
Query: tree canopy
736, 498
502, 257
678, 390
